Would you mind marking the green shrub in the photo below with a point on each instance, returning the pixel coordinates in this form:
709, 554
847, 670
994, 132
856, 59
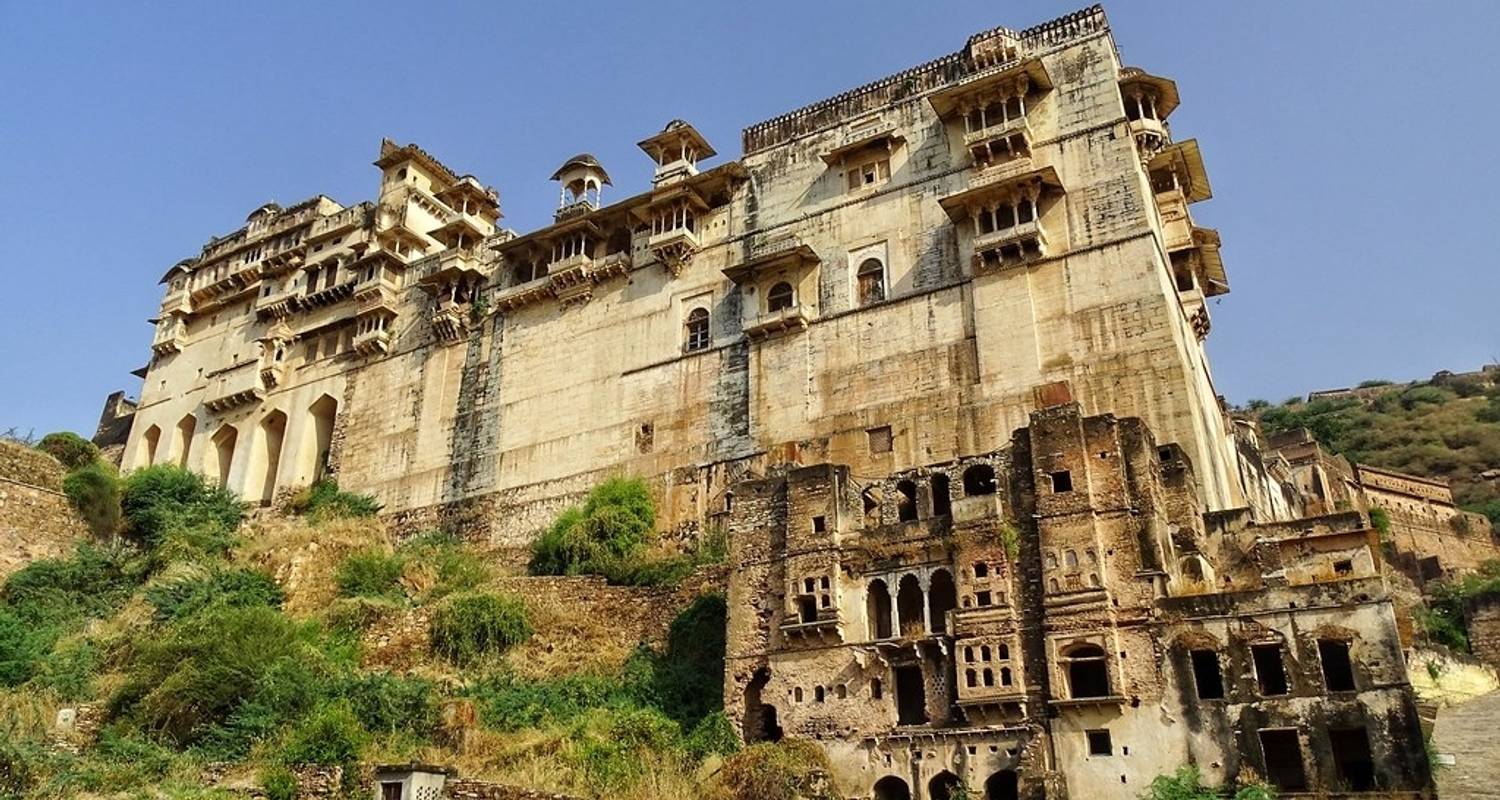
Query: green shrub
224, 677
354, 615
1380, 520
227, 586
508, 702
384, 703
612, 524
325, 500
473, 625
22, 646
371, 573
279, 783
69, 669
613, 748
72, 450
458, 568
712, 735
1187, 784
330, 734
94, 582
160, 498
784, 770
687, 680
94, 489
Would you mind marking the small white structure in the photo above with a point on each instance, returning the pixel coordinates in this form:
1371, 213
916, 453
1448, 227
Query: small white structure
411, 781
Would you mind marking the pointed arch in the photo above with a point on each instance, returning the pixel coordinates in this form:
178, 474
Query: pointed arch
150, 442
221, 458
317, 439
186, 427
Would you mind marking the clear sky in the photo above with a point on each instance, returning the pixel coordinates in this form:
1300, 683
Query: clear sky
1350, 146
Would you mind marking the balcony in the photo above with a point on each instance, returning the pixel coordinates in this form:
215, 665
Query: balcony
673, 248
1150, 135
573, 279
272, 373
450, 322
525, 294
1009, 247
235, 386
372, 342
1000, 144
171, 336
775, 323
242, 278
276, 305
176, 302
328, 295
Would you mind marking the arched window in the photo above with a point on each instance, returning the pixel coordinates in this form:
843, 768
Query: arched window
1003, 785
943, 786
871, 281
878, 609
909, 602
780, 297
942, 597
1088, 672
697, 330
979, 479
892, 788
940, 499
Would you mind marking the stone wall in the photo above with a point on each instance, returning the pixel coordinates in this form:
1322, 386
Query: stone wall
468, 789
36, 520
1484, 631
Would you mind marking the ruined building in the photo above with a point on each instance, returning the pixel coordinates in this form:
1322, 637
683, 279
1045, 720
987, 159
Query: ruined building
931, 352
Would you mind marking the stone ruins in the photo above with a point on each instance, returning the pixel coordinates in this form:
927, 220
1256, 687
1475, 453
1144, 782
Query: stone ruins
930, 351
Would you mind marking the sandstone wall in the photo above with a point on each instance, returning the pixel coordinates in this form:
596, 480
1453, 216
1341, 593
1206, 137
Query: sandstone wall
36, 520
1484, 631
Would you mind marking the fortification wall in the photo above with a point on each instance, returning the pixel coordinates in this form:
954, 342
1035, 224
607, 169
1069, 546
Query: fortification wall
36, 520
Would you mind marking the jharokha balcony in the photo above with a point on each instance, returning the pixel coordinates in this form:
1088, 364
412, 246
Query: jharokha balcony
234, 386
171, 335
784, 320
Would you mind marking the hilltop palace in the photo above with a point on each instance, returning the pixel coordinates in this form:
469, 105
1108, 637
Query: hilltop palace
931, 352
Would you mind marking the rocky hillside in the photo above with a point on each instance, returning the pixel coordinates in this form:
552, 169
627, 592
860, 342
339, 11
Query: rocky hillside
1447, 428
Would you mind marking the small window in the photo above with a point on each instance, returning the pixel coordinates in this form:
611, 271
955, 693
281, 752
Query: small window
390, 790
820, 524
982, 599
1338, 668
871, 280
1343, 568
1206, 675
880, 439
807, 609
819, 694
1062, 481
876, 690
797, 694
1099, 743
1270, 671
698, 337
869, 173
979, 479
780, 297
981, 569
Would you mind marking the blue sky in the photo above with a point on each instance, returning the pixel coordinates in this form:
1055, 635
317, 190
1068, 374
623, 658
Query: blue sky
1349, 146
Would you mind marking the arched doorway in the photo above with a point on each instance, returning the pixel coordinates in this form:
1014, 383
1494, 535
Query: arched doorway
760, 723
186, 427
892, 788
909, 606
268, 456
878, 609
944, 786
318, 439
223, 455
942, 597
1003, 785
149, 443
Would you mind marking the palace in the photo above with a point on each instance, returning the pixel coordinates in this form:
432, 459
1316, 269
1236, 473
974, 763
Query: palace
931, 352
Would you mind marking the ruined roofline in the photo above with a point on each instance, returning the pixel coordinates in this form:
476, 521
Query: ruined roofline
390, 153
206, 257
1405, 476
914, 80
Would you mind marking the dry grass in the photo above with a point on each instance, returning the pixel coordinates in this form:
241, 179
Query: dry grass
304, 558
27, 713
566, 642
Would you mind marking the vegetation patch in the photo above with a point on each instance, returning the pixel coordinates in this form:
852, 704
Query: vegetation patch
470, 626
325, 500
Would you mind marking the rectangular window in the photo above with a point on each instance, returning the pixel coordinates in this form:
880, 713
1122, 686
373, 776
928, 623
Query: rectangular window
869, 173
982, 599
1206, 675
819, 524
1351, 756
1062, 481
1270, 671
390, 790
911, 696
880, 439
1338, 669
1099, 743
1282, 751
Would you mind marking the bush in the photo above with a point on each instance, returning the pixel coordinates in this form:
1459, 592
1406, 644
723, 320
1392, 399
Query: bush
712, 735
1380, 520
330, 735
94, 582
687, 680
611, 525
279, 783
508, 702
22, 645
224, 677
615, 748
69, 669
94, 489
473, 625
385, 703
190, 594
1187, 784
354, 615
325, 500
371, 573
72, 450
160, 498
457, 568
783, 770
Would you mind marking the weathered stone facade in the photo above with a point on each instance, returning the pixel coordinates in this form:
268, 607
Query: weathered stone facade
879, 280
36, 520
1060, 617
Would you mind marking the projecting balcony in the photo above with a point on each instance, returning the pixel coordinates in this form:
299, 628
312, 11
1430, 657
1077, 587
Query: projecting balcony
233, 387
328, 295
450, 322
170, 337
230, 285
177, 302
673, 248
774, 323
375, 294
1000, 143
372, 342
272, 373
1009, 247
276, 305
1150, 135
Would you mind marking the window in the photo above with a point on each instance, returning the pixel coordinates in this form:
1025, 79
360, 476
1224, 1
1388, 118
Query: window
819, 695
911, 696
1099, 743
1351, 757
876, 690
982, 599
1062, 481
941, 504
1338, 670
1282, 751
878, 609
390, 790
906, 500
871, 281
979, 479
698, 337
1206, 674
981, 569
1088, 673
880, 439
780, 297
869, 173
1343, 568
1270, 672
820, 524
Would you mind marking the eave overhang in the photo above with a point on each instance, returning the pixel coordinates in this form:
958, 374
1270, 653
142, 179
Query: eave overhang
1185, 161
949, 98
957, 205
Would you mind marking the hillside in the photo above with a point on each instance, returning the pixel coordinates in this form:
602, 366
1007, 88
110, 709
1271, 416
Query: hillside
1446, 428
199, 654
